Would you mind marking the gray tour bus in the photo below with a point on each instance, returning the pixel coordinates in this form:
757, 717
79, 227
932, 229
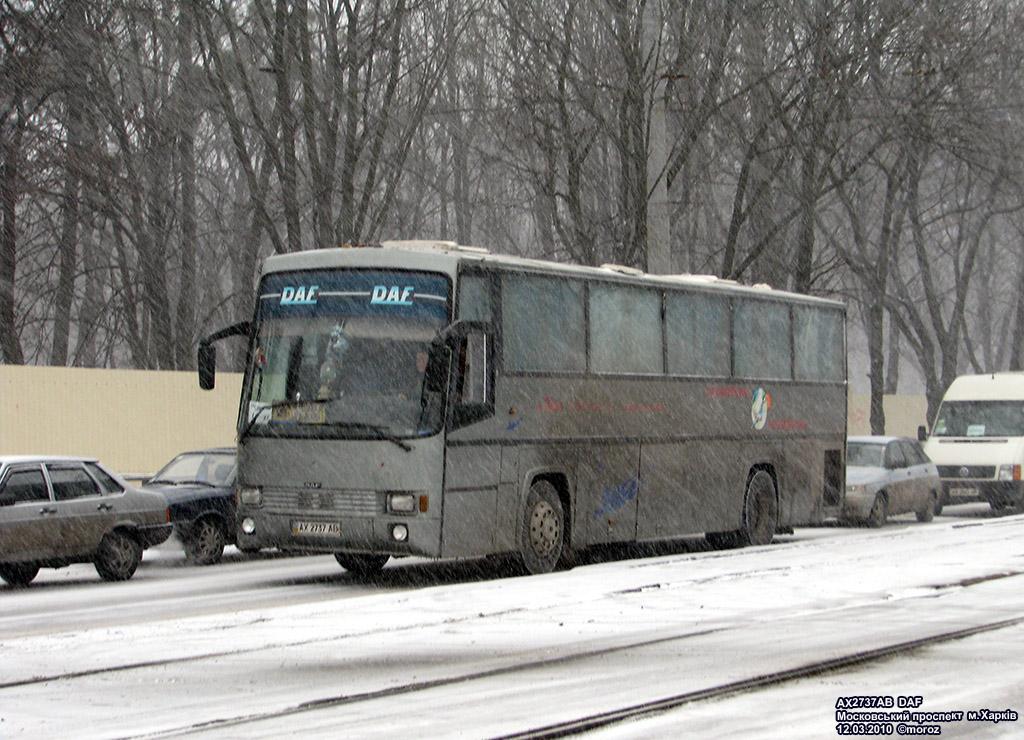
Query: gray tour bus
433, 399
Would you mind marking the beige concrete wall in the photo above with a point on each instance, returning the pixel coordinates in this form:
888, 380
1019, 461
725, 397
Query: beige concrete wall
136, 420
903, 414
133, 420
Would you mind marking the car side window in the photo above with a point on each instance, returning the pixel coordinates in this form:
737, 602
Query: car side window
894, 456
23, 486
105, 479
71, 482
915, 453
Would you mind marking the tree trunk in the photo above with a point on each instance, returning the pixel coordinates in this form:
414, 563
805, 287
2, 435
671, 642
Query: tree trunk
185, 319
67, 247
10, 343
1017, 342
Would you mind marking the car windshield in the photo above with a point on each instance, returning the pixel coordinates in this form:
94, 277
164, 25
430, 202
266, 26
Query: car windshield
201, 468
343, 353
980, 419
865, 454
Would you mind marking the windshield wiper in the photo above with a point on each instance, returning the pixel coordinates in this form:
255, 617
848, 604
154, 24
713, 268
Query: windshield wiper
378, 430
194, 483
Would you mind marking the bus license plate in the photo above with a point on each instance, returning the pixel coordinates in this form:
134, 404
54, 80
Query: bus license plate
316, 529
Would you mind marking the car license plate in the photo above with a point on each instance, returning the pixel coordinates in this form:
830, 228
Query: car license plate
963, 492
316, 529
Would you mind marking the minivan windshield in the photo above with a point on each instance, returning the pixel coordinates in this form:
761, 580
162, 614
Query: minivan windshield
342, 353
980, 419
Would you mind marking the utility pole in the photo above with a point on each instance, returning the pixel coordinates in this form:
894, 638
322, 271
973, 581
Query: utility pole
659, 248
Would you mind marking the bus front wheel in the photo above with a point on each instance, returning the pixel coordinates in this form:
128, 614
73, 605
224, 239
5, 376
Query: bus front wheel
361, 565
760, 510
542, 530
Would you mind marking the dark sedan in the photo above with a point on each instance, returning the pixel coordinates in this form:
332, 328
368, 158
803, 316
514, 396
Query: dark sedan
200, 489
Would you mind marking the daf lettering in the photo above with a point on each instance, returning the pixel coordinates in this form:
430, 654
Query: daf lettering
303, 295
391, 295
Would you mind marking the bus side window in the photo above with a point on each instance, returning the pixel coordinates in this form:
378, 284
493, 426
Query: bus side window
697, 330
760, 335
475, 298
544, 326
818, 336
475, 371
474, 389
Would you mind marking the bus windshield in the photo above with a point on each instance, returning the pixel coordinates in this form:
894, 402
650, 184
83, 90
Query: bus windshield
980, 419
343, 354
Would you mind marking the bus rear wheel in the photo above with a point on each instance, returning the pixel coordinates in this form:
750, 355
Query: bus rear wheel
542, 531
18, 574
361, 565
760, 510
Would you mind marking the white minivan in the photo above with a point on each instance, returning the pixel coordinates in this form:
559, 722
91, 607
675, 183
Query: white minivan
977, 440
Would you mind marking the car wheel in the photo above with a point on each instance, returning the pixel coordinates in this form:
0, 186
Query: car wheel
361, 566
118, 556
542, 542
206, 545
18, 574
760, 511
879, 511
927, 513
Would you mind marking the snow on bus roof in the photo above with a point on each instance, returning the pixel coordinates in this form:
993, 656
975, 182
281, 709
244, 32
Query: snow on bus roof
446, 255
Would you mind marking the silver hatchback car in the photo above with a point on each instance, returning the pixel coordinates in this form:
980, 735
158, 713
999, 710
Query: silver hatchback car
888, 475
55, 511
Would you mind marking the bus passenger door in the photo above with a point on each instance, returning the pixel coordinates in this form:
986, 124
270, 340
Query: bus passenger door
609, 485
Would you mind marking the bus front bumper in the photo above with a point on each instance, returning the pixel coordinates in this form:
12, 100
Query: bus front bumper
258, 529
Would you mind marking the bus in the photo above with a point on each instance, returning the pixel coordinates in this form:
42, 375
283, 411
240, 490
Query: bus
431, 399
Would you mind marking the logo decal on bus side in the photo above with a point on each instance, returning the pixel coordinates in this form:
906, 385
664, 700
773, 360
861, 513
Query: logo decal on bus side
616, 497
300, 296
391, 295
759, 408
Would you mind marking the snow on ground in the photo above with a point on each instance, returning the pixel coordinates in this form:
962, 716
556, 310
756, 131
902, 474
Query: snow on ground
509, 654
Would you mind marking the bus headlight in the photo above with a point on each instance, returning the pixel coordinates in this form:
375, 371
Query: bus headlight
401, 503
399, 532
250, 496
1009, 472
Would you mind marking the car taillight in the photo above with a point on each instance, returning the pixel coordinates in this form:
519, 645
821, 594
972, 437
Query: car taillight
167, 515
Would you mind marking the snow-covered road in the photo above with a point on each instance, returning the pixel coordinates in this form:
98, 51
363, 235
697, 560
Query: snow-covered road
276, 646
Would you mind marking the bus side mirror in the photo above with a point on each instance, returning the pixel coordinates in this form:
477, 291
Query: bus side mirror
206, 360
922, 433
435, 376
206, 356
